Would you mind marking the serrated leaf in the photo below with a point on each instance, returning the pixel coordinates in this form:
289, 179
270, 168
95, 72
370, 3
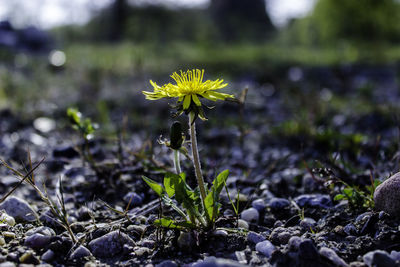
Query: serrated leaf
211, 200
154, 185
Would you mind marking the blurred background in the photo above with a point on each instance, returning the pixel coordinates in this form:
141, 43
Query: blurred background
99, 55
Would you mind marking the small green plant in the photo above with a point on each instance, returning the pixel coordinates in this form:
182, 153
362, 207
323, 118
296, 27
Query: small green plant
200, 205
86, 128
192, 214
356, 197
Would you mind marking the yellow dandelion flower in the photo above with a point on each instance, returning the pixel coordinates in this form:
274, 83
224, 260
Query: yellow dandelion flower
189, 87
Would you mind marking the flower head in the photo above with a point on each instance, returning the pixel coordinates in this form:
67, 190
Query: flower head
188, 89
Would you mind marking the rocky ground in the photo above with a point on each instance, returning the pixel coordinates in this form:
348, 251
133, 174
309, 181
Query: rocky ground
286, 150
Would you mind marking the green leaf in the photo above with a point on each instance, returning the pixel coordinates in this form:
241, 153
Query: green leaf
339, 197
74, 115
172, 224
168, 184
155, 186
211, 201
348, 191
168, 201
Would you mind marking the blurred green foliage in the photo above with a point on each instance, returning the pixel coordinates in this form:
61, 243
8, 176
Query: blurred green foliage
364, 23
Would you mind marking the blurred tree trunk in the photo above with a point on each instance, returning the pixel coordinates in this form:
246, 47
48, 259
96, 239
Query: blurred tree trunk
118, 20
241, 20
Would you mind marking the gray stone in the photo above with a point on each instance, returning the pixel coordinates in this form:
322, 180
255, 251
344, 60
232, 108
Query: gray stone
80, 252
331, 255
294, 243
243, 224
213, 262
308, 224
266, 248
19, 209
134, 199
43, 230
255, 237
7, 264
307, 250
186, 241
37, 241
110, 244
350, 229
278, 203
167, 263
9, 220
220, 233
314, 200
48, 256
395, 255
378, 258
250, 215
281, 235
259, 205
142, 251
387, 196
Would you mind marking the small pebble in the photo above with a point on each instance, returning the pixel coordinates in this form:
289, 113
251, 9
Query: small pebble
259, 205
142, 251
314, 200
110, 244
7, 219
250, 215
350, 229
7, 264
255, 238
167, 263
378, 258
332, 256
395, 255
134, 199
278, 203
308, 224
186, 241
29, 257
243, 224
220, 233
80, 252
294, 243
307, 250
266, 248
48, 256
9, 234
37, 241
280, 235
19, 209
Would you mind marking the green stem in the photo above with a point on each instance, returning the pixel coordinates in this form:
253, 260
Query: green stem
177, 163
196, 159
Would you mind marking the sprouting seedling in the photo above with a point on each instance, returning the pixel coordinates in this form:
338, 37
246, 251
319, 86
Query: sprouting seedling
86, 129
189, 89
84, 126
